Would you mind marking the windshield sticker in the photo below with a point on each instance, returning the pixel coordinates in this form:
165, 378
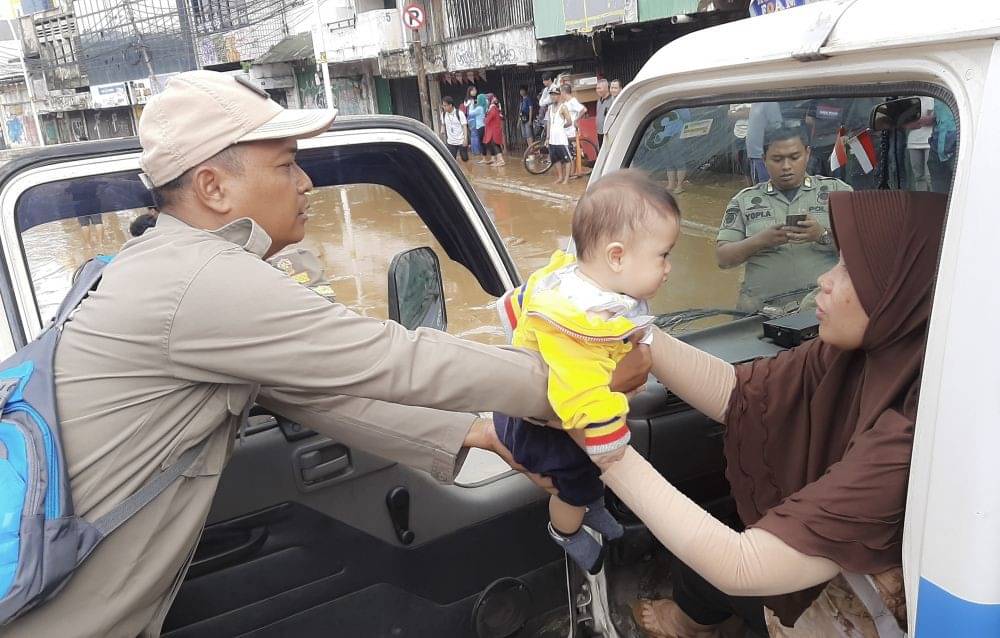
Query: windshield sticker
696, 129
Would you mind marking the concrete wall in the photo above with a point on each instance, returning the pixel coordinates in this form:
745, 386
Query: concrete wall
374, 31
15, 115
247, 43
503, 48
277, 77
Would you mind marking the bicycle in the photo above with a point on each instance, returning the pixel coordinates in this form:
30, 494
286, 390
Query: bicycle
537, 161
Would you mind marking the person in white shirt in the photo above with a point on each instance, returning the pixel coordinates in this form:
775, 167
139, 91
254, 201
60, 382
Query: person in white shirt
455, 129
576, 110
544, 101
558, 117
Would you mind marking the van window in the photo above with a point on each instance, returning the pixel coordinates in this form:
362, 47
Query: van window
741, 171
354, 232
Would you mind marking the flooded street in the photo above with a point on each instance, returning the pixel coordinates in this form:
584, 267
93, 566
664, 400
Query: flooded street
356, 231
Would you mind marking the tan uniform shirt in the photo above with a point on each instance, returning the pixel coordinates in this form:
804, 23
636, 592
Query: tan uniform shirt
185, 327
774, 272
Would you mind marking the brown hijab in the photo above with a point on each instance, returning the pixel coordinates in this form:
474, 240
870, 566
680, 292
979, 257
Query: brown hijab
818, 440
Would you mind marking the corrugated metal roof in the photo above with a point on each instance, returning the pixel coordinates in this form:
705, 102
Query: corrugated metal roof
293, 47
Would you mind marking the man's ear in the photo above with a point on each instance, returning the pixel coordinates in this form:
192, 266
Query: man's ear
613, 253
209, 186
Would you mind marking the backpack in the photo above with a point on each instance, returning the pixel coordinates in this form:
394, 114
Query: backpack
42, 541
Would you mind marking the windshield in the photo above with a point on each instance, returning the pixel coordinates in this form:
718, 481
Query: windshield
753, 181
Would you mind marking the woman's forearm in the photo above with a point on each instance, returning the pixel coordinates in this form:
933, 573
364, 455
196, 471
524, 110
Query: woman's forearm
704, 382
751, 563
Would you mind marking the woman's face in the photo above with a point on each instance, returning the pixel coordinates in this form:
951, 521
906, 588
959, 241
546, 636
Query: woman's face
842, 319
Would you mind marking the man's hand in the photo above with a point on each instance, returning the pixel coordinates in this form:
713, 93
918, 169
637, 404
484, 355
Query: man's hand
632, 371
483, 435
772, 237
807, 231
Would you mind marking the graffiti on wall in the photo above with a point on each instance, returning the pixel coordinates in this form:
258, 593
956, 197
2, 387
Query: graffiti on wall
19, 128
506, 48
349, 96
310, 90
247, 43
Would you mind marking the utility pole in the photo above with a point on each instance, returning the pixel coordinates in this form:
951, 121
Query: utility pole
27, 80
319, 51
154, 84
418, 55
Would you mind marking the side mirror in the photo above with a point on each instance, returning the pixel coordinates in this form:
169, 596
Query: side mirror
416, 291
895, 114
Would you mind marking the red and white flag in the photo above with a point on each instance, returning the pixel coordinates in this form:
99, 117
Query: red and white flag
864, 150
838, 157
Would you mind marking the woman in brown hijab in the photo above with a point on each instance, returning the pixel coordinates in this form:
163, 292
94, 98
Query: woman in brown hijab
818, 442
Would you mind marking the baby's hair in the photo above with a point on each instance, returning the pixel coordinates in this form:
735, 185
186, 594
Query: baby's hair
616, 206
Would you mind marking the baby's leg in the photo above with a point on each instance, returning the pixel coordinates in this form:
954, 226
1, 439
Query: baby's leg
566, 529
566, 518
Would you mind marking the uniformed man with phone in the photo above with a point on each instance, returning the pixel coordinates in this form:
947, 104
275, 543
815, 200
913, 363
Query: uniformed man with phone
780, 228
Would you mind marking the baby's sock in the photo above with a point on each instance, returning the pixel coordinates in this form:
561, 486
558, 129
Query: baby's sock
582, 548
598, 518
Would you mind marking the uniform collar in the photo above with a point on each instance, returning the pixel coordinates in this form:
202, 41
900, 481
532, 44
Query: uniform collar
244, 232
807, 185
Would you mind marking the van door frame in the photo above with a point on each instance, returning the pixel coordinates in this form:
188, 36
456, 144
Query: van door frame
959, 68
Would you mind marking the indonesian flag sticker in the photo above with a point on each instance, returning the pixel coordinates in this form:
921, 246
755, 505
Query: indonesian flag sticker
864, 150
838, 157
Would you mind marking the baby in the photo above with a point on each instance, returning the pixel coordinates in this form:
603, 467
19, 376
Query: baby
582, 313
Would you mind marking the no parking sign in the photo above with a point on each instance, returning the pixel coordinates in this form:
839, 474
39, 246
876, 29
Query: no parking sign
413, 16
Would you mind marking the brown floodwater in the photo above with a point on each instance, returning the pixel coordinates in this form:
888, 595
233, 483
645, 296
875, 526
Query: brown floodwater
357, 230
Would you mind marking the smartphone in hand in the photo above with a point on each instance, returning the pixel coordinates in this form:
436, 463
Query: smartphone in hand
793, 220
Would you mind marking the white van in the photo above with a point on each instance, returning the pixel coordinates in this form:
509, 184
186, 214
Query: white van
300, 540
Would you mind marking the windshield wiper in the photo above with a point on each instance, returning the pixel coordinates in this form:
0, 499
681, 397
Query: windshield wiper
671, 320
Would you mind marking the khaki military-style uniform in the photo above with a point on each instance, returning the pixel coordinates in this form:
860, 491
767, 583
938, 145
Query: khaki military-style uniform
186, 328
305, 268
792, 267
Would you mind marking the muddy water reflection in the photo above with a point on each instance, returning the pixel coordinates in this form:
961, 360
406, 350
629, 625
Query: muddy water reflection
357, 230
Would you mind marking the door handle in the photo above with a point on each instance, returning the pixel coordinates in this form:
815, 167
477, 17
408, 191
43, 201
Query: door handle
315, 469
321, 463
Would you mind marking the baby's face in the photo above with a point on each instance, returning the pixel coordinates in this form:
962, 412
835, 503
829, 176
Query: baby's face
645, 262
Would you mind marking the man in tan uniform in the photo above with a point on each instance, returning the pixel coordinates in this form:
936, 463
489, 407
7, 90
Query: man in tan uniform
782, 262
189, 325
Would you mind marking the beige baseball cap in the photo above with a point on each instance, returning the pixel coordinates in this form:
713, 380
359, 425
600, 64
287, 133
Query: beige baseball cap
201, 113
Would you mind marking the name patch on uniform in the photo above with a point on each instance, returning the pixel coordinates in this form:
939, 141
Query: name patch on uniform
758, 213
